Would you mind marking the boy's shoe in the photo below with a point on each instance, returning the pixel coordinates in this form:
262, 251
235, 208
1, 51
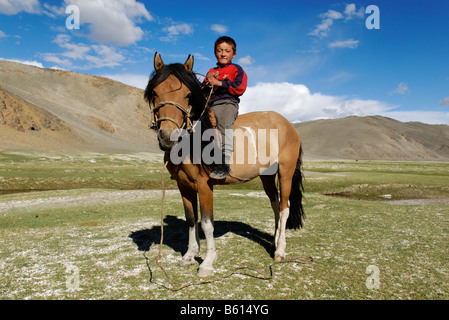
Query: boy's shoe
222, 173
225, 170
218, 175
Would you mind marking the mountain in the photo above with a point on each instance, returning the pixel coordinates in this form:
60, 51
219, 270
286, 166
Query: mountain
69, 112
374, 138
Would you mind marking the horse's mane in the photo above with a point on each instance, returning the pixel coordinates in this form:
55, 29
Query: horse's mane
198, 99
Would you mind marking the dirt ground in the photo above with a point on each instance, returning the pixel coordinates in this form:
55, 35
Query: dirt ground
55, 199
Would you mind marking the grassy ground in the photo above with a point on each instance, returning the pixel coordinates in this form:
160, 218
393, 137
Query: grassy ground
28, 171
93, 230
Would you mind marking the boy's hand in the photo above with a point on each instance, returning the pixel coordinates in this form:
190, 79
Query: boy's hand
212, 79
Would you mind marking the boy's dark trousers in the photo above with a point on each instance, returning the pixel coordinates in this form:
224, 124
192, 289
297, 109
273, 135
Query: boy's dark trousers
226, 112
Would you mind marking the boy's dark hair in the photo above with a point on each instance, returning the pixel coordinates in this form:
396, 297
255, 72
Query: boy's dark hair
228, 40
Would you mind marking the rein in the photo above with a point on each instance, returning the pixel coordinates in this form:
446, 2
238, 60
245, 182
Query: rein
204, 109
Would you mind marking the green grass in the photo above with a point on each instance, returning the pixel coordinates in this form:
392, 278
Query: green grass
113, 245
33, 171
369, 180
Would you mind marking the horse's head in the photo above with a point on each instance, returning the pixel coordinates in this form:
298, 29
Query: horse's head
173, 93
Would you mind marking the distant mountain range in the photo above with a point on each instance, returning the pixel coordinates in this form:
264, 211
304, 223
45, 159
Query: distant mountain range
374, 138
62, 111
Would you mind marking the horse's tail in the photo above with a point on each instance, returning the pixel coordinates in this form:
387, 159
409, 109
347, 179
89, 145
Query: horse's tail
297, 215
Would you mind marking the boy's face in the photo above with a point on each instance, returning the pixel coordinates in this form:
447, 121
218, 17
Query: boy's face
224, 53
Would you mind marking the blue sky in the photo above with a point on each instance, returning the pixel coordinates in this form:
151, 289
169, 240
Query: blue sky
306, 59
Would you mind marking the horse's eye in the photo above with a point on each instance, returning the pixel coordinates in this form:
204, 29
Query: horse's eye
153, 96
189, 96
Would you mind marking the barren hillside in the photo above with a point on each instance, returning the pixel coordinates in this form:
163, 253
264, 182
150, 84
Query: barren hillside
374, 138
70, 112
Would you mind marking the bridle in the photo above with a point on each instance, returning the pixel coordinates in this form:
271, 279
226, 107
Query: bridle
187, 123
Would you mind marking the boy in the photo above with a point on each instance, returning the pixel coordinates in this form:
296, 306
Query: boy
229, 81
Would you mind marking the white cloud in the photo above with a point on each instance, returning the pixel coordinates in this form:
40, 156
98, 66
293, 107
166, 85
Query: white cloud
328, 18
112, 21
175, 30
401, 89
322, 29
135, 80
105, 57
219, 28
351, 12
74, 51
430, 117
28, 62
332, 14
199, 56
351, 43
444, 102
178, 29
59, 62
297, 103
339, 77
2, 34
246, 61
53, 11
11, 7
93, 56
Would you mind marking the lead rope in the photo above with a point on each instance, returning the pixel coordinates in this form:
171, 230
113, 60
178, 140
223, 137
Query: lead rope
307, 260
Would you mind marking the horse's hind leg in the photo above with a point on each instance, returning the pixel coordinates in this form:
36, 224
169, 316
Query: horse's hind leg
269, 185
286, 172
189, 199
280, 208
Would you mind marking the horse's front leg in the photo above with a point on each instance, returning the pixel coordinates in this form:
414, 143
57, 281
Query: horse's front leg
205, 191
189, 199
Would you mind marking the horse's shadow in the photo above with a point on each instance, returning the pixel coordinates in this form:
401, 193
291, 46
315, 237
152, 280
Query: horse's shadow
176, 235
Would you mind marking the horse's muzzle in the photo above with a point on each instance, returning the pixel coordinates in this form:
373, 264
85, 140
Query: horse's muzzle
165, 141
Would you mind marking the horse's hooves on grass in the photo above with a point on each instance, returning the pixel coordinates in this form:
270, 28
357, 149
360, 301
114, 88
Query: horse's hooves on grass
205, 272
279, 258
186, 263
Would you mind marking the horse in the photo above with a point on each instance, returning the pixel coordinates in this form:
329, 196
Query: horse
178, 104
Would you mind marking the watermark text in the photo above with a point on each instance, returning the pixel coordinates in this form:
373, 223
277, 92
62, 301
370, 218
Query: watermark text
251, 147
73, 21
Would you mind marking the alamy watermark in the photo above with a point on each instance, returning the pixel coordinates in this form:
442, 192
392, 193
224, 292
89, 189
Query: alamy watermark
373, 21
72, 282
373, 280
73, 21
251, 147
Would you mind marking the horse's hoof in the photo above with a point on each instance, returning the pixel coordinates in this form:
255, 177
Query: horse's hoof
279, 258
187, 262
205, 272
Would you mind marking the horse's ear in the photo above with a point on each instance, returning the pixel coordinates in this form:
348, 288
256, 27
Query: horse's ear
158, 63
188, 65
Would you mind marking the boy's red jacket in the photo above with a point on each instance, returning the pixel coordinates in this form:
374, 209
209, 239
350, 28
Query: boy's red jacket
234, 81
